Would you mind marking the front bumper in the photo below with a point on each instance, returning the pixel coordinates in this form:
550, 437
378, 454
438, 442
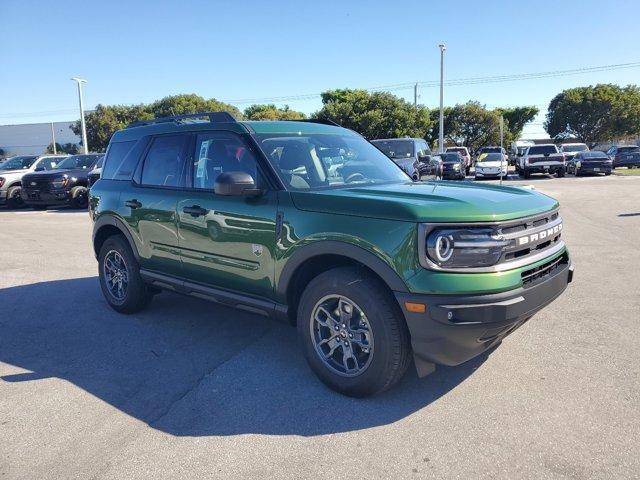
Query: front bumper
490, 174
453, 174
53, 197
455, 328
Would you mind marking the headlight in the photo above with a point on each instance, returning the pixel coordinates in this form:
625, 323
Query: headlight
578, 163
465, 247
60, 182
456, 166
1, 181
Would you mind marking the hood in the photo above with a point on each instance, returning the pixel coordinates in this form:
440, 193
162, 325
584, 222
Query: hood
427, 202
13, 172
72, 172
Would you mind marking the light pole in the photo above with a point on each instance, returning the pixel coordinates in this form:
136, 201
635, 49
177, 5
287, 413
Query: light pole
443, 47
80, 81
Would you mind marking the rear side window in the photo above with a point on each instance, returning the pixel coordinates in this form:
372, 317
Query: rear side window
163, 165
119, 162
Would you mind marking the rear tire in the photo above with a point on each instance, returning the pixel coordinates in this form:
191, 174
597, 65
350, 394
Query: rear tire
353, 333
120, 280
14, 198
560, 173
526, 173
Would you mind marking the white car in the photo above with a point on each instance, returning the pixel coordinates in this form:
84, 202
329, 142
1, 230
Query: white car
492, 165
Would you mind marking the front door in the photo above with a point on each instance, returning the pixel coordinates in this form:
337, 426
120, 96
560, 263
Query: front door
226, 242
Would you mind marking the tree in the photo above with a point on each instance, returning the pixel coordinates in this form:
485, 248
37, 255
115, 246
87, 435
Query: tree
594, 114
190, 103
516, 118
271, 112
374, 115
470, 125
70, 148
105, 120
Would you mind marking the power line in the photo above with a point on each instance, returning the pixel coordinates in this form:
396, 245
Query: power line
456, 82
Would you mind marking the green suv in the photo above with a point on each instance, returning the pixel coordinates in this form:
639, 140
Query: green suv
309, 222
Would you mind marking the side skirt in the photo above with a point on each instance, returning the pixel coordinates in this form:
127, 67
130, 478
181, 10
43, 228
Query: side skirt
247, 303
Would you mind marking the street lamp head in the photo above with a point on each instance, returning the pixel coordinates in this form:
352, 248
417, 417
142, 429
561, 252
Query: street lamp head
443, 47
79, 80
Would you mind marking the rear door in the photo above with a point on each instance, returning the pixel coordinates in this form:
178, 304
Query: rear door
149, 204
226, 242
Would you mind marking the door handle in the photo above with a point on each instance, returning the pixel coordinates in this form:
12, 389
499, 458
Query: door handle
133, 203
195, 211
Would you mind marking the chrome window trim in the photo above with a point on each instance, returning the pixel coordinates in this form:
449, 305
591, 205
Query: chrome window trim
425, 228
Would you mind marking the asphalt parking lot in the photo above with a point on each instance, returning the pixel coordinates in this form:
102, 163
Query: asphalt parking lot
189, 389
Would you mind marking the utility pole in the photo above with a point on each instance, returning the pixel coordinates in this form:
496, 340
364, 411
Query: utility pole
501, 142
415, 95
53, 139
443, 47
80, 81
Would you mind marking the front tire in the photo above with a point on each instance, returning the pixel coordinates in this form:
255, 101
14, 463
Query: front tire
79, 197
120, 279
353, 333
560, 173
14, 197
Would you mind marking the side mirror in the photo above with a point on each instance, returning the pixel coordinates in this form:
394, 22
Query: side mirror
237, 184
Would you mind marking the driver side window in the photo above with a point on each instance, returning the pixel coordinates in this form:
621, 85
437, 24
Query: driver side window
220, 152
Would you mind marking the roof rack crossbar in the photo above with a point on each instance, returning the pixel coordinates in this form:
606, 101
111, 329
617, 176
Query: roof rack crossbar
214, 117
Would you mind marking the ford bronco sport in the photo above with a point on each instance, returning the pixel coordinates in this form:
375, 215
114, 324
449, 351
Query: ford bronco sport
309, 222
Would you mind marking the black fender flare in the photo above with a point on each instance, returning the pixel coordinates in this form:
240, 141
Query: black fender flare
113, 221
344, 249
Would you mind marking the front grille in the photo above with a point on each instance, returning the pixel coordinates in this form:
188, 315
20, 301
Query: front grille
546, 269
531, 235
37, 184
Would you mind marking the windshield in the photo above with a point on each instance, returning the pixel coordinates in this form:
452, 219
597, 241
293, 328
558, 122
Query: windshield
320, 161
451, 157
76, 162
574, 148
542, 150
100, 162
491, 150
18, 163
520, 151
493, 157
395, 148
628, 149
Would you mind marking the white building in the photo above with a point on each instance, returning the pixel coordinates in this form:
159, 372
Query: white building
33, 138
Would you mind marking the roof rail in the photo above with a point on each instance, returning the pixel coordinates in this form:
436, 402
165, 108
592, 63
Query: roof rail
323, 121
213, 117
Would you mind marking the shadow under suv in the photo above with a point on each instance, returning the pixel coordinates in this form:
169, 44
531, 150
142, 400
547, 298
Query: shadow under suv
310, 223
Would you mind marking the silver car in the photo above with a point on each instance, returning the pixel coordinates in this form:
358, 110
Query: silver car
12, 171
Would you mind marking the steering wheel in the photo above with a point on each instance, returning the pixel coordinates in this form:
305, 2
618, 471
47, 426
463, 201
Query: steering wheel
354, 177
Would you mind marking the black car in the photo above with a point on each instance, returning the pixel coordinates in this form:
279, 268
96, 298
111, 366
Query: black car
66, 184
589, 162
410, 154
94, 175
625, 156
453, 166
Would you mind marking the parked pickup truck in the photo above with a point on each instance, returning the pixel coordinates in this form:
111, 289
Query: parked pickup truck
310, 223
541, 159
65, 184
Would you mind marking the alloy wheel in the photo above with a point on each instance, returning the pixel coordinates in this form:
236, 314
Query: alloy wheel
116, 276
341, 335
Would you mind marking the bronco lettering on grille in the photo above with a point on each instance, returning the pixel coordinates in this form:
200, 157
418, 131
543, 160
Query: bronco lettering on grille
535, 237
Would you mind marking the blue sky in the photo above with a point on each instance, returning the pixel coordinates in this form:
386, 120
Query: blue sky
139, 51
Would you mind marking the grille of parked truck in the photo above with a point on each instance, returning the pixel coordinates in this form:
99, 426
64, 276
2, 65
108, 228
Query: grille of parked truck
310, 223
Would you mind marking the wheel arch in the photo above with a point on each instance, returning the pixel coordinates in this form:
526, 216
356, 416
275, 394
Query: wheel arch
107, 226
318, 257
